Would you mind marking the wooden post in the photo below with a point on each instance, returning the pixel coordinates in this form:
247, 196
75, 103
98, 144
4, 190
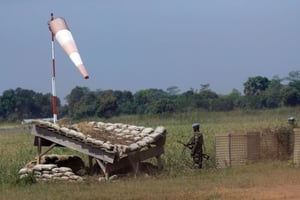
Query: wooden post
91, 164
159, 162
134, 159
136, 168
104, 168
39, 150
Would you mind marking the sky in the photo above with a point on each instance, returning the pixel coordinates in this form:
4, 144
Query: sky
142, 44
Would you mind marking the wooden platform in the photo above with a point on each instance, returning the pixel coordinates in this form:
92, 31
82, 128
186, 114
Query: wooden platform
109, 160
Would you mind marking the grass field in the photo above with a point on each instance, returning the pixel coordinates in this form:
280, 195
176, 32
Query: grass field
261, 180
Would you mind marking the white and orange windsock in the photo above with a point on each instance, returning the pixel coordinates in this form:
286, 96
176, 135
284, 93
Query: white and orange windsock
60, 30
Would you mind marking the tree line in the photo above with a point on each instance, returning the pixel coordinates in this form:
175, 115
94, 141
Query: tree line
259, 93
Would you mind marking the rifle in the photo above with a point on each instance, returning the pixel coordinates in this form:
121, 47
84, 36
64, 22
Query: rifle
185, 145
204, 155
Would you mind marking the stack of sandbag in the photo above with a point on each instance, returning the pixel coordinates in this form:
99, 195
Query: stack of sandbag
50, 172
112, 137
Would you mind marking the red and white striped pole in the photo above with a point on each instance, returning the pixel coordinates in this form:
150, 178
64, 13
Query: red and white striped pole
54, 98
61, 32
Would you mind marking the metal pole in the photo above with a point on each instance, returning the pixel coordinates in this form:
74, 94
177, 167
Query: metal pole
54, 98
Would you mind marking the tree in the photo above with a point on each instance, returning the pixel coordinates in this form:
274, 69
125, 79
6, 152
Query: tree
144, 98
294, 80
125, 102
290, 96
207, 96
76, 94
21, 103
187, 101
86, 106
252, 102
254, 86
221, 104
107, 104
44, 102
293, 76
173, 90
236, 98
7, 103
160, 106
272, 94
74, 100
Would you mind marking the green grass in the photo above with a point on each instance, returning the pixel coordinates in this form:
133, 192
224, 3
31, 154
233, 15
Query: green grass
15, 151
177, 180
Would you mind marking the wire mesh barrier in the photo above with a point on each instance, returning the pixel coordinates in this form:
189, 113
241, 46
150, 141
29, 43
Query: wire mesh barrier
237, 149
296, 158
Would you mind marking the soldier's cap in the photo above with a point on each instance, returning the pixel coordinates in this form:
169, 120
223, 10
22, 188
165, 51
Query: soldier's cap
195, 125
291, 118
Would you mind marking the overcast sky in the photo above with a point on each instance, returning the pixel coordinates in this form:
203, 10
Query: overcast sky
138, 44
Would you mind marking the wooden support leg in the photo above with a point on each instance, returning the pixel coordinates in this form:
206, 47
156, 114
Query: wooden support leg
136, 168
159, 162
91, 164
135, 162
39, 150
104, 168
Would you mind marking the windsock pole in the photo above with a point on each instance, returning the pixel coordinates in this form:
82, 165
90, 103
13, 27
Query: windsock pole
61, 32
54, 98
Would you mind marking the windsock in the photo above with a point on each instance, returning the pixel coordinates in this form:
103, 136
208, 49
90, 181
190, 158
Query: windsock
60, 30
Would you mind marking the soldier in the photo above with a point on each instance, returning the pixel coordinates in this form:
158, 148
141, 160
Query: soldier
292, 121
196, 146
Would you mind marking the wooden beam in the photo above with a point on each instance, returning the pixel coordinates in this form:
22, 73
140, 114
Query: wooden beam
39, 150
104, 167
159, 162
49, 149
74, 144
136, 157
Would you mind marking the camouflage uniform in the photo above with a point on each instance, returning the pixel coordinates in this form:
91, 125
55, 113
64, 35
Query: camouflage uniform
196, 146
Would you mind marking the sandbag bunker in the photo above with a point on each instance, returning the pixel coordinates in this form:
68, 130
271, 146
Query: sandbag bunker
114, 146
55, 167
48, 172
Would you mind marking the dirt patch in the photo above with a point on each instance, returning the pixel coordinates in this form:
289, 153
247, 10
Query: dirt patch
291, 192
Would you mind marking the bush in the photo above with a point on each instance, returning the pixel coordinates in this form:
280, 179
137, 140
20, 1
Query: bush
28, 179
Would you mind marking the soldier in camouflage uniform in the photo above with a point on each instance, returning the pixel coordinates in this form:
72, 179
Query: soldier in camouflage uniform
196, 146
